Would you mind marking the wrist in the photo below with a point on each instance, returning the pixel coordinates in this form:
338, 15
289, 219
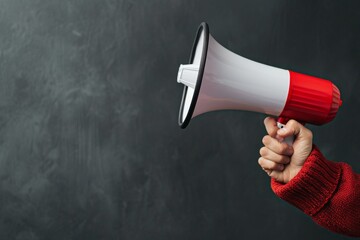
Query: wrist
293, 173
310, 189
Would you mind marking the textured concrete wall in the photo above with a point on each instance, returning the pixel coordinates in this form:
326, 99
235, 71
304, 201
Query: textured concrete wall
89, 142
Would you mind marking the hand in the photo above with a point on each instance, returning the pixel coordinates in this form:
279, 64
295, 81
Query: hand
281, 161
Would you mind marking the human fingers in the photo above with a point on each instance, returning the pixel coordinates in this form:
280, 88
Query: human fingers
271, 126
277, 175
276, 146
293, 127
270, 155
270, 165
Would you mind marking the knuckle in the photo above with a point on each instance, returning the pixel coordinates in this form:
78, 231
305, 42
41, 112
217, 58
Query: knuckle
293, 125
272, 165
265, 140
292, 122
273, 131
263, 151
268, 164
283, 148
284, 160
266, 120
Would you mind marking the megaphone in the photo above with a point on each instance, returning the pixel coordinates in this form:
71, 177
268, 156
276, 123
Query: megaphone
218, 79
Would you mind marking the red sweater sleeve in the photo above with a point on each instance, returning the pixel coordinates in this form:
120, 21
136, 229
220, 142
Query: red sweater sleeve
327, 191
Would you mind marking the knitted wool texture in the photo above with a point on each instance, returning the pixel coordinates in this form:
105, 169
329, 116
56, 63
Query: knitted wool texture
327, 191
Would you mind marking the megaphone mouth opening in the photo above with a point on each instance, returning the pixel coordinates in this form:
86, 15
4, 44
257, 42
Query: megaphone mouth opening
185, 106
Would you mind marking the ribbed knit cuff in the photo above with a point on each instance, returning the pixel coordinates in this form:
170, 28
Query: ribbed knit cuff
313, 186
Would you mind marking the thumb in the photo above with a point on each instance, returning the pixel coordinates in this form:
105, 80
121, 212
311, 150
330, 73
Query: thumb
277, 175
291, 128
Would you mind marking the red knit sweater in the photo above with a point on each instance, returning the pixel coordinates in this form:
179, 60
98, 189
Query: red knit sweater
327, 191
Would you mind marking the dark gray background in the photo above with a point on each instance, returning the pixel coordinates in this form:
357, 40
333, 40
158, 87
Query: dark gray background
89, 142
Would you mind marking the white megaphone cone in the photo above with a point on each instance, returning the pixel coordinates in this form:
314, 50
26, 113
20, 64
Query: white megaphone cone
218, 79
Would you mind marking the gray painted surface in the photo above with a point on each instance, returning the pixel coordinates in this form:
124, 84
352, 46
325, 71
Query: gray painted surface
89, 142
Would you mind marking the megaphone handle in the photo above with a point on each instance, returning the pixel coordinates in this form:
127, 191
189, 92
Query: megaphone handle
289, 140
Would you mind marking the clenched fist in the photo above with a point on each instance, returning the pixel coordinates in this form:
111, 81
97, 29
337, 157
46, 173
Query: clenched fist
281, 161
